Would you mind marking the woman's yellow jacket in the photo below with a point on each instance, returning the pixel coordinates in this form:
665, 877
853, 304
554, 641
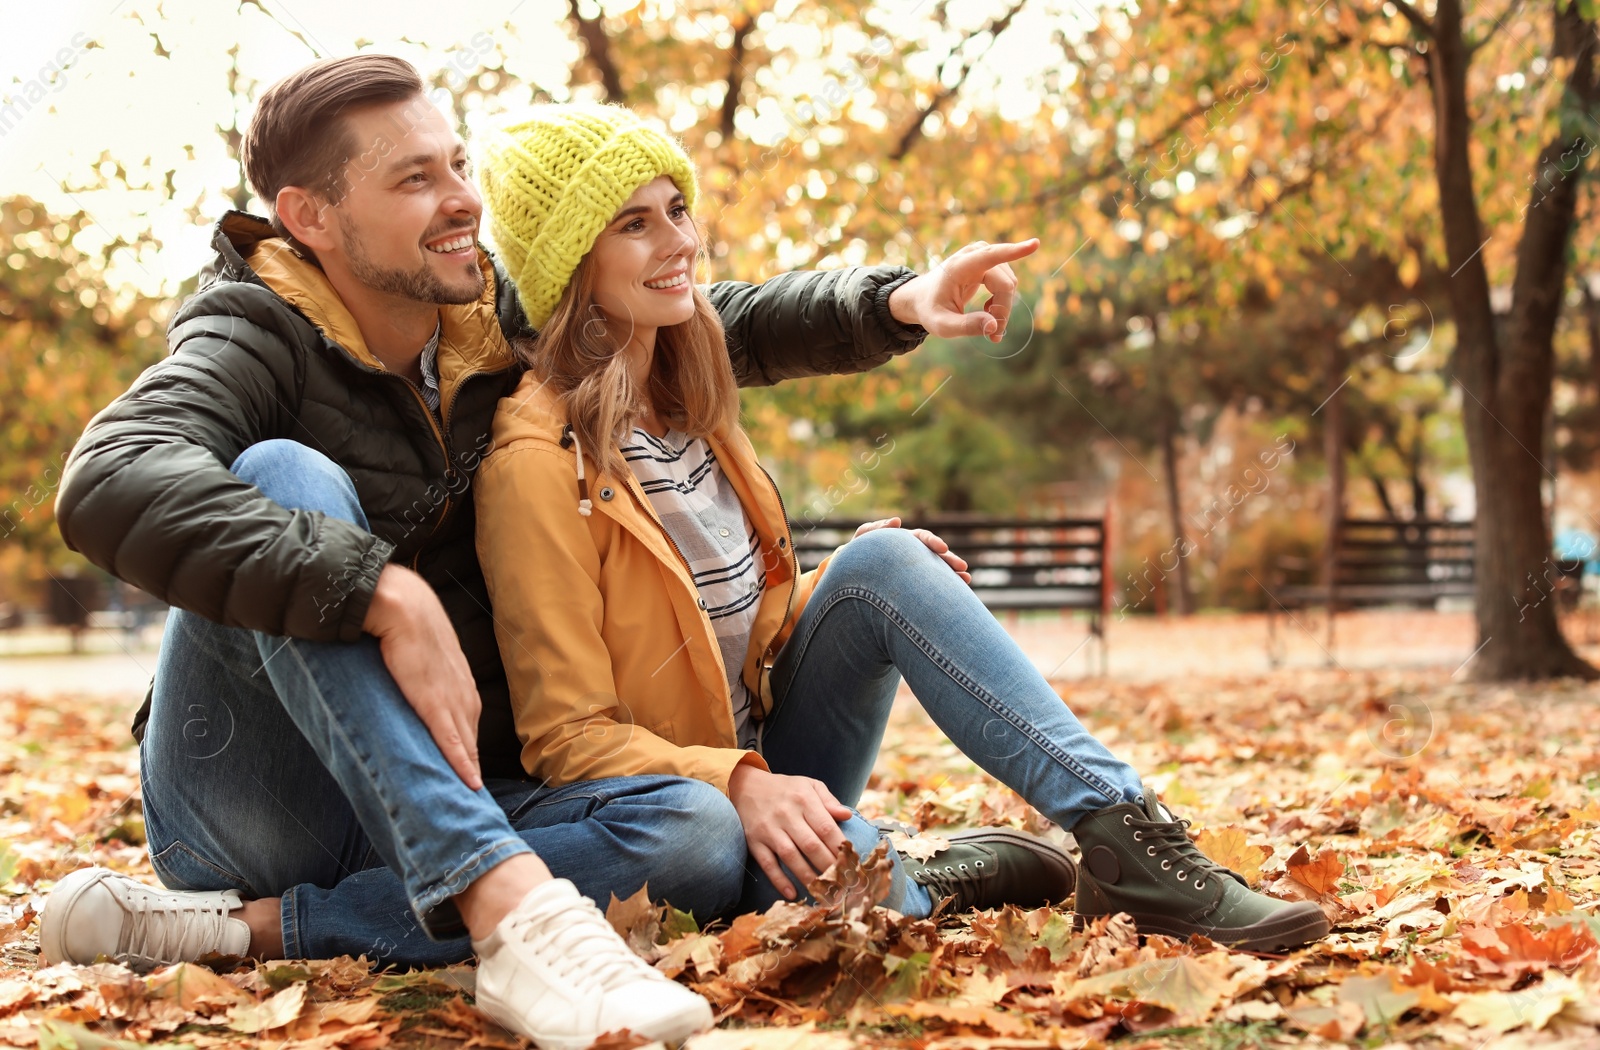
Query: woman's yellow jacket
613, 664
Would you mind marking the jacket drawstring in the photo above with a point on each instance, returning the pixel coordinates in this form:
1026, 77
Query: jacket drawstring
585, 507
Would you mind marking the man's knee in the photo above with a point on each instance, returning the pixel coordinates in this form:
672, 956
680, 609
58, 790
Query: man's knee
299, 477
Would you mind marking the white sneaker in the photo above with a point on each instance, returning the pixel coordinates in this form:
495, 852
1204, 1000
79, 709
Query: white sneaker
96, 911
555, 971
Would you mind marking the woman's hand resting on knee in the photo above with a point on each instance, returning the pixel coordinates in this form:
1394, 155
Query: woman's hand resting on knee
929, 540
789, 820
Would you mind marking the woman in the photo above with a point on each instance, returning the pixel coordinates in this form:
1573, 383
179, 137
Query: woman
653, 617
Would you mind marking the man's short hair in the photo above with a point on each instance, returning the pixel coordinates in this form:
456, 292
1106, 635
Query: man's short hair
298, 135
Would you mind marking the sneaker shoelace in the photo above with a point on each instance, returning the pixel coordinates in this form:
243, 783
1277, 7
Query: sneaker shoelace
578, 943
162, 930
1172, 837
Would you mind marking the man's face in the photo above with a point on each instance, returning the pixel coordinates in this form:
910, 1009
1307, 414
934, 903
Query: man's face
408, 221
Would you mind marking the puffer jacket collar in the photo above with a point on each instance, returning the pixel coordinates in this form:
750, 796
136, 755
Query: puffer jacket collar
472, 339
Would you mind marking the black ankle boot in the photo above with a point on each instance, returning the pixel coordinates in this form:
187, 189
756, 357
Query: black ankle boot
1138, 859
988, 867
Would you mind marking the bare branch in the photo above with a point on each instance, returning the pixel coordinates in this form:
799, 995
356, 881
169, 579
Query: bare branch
913, 134
1089, 178
1499, 24
258, 5
1415, 17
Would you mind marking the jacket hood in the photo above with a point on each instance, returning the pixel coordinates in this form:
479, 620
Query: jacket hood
472, 338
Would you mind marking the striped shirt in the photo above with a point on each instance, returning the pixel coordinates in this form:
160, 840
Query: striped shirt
704, 518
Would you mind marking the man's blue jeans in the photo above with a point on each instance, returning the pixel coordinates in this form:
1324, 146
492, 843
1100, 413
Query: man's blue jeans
888, 607
281, 767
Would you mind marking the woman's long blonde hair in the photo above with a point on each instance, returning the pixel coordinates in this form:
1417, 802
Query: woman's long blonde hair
579, 354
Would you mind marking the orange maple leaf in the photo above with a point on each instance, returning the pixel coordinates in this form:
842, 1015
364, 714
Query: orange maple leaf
1320, 874
1518, 946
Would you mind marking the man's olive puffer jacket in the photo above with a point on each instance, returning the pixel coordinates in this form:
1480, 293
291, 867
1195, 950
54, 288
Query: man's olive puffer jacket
148, 496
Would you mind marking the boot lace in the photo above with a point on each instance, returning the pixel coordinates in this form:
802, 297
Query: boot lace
161, 930
953, 880
578, 943
1183, 856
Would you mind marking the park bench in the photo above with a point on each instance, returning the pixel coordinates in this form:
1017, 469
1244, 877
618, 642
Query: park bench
1378, 562
1016, 563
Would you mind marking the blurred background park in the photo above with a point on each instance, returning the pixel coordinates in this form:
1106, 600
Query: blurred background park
1315, 325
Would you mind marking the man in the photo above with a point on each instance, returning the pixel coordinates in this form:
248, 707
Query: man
327, 752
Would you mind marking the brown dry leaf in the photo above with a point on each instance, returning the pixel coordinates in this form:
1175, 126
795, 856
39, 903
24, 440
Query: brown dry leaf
974, 1004
702, 951
193, 987
854, 883
1320, 874
14, 995
1500, 1012
1111, 944
275, 1012
347, 1011
1382, 998
924, 846
16, 928
638, 920
1337, 1023
1229, 847
800, 1037
1190, 986
1519, 947
623, 1040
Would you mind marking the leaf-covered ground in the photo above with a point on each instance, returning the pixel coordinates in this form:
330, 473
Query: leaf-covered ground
1448, 830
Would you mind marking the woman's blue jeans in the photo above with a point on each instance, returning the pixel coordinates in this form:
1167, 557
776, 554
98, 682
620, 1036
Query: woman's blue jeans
285, 768
887, 607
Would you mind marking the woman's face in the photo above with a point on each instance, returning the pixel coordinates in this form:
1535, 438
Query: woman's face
644, 260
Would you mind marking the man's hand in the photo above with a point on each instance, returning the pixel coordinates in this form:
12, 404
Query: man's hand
938, 300
793, 820
929, 540
422, 652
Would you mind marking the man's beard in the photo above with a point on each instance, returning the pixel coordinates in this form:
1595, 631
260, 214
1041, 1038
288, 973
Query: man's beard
420, 285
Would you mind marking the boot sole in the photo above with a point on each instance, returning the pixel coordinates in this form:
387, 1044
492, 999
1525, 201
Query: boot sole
1303, 924
1033, 845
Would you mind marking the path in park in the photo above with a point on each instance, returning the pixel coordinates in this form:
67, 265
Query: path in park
1143, 648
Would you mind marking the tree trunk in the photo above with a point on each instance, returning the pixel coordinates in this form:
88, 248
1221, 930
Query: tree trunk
1180, 541
1333, 452
1507, 389
1419, 488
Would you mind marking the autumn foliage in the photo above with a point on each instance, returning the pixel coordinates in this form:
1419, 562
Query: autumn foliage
1459, 862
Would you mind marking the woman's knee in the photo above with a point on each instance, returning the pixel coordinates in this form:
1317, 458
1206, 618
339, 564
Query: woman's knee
299, 477
710, 858
877, 555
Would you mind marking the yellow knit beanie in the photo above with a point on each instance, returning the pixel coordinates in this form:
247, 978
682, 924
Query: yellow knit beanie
554, 177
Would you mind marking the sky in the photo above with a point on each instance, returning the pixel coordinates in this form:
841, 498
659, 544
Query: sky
82, 81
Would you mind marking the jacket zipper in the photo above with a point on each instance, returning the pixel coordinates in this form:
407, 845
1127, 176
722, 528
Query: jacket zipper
651, 514
444, 446
756, 714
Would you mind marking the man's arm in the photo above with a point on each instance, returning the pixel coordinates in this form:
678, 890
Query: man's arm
149, 497
839, 321
813, 322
